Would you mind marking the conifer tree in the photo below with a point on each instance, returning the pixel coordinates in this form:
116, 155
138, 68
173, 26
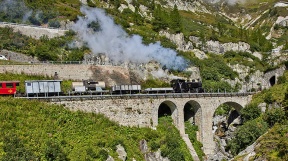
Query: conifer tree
175, 20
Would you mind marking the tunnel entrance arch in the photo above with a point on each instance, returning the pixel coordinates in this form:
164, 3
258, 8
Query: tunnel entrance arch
272, 81
168, 108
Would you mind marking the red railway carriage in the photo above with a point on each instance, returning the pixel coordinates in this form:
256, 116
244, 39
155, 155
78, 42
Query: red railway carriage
8, 87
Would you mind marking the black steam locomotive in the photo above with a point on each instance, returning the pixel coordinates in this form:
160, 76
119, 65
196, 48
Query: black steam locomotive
182, 86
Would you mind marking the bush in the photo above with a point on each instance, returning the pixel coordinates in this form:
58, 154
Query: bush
275, 115
54, 23
250, 112
246, 135
14, 149
54, 152
223, 110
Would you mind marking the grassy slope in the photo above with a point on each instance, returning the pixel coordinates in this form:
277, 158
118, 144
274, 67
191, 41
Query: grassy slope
40, 131
274, 144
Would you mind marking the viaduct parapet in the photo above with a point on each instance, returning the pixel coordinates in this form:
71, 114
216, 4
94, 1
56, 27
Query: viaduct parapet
145, 111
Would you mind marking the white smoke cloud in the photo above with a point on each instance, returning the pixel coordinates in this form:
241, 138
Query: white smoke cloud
26, 16
115, 43
160, 74
15, 9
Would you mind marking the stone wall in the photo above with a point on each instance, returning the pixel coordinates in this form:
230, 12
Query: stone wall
110, 74
34, 31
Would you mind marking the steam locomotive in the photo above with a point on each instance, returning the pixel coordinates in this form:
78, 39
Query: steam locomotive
182, 86
85, 87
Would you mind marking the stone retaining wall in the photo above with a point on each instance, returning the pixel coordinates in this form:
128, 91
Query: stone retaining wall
34, 31
110, 74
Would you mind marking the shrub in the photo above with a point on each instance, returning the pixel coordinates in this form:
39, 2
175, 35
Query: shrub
103, 154
54, 23
274, 115
250, 112
14, 149
54, 152
223, 110
246, 135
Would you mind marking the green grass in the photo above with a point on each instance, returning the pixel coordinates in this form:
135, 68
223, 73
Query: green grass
274, 144
191, 130
274, 94
32, 130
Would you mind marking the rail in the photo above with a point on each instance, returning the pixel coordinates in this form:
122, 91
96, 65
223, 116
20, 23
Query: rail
136, 96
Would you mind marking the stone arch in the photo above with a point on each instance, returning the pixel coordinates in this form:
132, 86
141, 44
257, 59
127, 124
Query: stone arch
235, 105
235, 113
168, 108
272, 80
193, 113
221, 124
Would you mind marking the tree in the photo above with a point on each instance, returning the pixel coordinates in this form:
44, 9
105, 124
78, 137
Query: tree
160, 19
246, 135
175, 20
250, 112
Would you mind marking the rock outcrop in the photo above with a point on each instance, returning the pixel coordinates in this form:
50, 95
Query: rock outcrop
178, 39
122, 155
151, 156
193, 6
14, 56
220, 48
210, 46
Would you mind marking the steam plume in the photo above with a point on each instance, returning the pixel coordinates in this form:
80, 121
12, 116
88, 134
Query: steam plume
14, 9
111, 40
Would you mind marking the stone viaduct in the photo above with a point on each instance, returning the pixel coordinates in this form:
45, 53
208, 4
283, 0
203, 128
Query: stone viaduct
144, 110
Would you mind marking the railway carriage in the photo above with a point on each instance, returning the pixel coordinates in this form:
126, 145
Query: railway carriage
89, 87
126, 89
8, 87
43, 87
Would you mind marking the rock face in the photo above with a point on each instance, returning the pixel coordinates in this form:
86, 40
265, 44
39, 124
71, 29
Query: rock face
122, 155
218, 48
210, 46
193, 6
178, 39
223, 128
151, 156
14, 56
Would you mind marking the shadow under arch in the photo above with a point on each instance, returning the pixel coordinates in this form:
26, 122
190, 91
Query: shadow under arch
234, 113
168, 108
272, 80
193, 114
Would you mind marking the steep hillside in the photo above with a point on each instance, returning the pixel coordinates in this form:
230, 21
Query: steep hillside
227, 44
31, 130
